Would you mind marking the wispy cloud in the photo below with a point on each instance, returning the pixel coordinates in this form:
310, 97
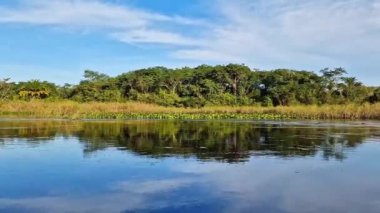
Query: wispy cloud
151, 187
154, 37
123, 196
264, 33
274, 30
277, 33
124, 23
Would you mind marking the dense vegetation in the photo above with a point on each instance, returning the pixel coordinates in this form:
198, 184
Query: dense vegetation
134, 110
233, 84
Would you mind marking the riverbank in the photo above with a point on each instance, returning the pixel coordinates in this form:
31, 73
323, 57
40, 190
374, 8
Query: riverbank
135, 110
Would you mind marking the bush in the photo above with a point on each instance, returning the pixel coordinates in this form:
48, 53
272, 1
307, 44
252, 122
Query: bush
222, 99
267, 102
375, 97
193, 102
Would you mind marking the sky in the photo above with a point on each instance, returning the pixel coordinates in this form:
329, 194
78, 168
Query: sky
56, 40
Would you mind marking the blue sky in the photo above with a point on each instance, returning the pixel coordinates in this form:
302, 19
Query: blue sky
56, 40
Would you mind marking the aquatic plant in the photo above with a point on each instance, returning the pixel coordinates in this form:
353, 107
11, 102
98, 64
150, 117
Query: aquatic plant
136, 110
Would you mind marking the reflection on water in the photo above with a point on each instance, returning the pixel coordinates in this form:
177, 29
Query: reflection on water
224, 141
187, 166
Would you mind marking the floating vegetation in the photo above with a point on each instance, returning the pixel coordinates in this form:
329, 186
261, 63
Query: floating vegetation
186, 116
136, 110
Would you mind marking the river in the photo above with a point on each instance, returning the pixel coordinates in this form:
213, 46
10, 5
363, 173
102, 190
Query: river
189, 166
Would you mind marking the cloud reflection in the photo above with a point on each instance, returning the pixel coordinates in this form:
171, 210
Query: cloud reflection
296, 185
122, 196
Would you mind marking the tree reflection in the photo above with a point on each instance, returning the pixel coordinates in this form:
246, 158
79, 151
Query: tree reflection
216, 140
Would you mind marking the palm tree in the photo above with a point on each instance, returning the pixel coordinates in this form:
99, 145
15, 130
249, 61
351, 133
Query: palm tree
35, 89
5, 89
350, 88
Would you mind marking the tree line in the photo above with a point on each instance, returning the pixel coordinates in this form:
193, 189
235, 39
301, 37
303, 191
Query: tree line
231, 84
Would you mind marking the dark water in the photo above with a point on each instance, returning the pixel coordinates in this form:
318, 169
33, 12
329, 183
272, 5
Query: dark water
162, 166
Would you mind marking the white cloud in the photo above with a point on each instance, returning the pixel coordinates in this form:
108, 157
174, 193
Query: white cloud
124, 23
154, 37
251, 31
78, 14
286, 33
299, 34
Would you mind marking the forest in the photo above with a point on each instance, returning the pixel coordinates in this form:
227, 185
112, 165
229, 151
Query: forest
204, 85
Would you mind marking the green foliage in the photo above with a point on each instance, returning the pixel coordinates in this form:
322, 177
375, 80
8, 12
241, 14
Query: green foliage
5, 89
375, 97
194, 102
231, 84
95, 87
267, 102
223, 99
35, 89
163, 98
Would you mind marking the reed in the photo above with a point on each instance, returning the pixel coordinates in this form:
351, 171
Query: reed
136, 110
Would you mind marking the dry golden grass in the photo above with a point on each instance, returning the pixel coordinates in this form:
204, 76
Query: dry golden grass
74, 110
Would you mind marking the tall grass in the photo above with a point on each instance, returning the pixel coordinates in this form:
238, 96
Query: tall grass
135, 110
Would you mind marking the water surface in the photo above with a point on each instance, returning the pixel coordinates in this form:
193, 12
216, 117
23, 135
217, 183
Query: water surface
189, 166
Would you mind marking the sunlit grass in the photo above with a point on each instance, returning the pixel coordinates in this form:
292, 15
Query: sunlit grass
135, 110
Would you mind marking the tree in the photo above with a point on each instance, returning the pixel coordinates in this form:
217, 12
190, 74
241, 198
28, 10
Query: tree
375, 97
333, 74
352, 90
94, 76
237, 74
36, 89
330, 85
5, 89
95, 87
171, 80
231, 84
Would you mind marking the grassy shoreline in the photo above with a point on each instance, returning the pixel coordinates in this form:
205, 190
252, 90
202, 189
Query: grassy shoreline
135, 110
